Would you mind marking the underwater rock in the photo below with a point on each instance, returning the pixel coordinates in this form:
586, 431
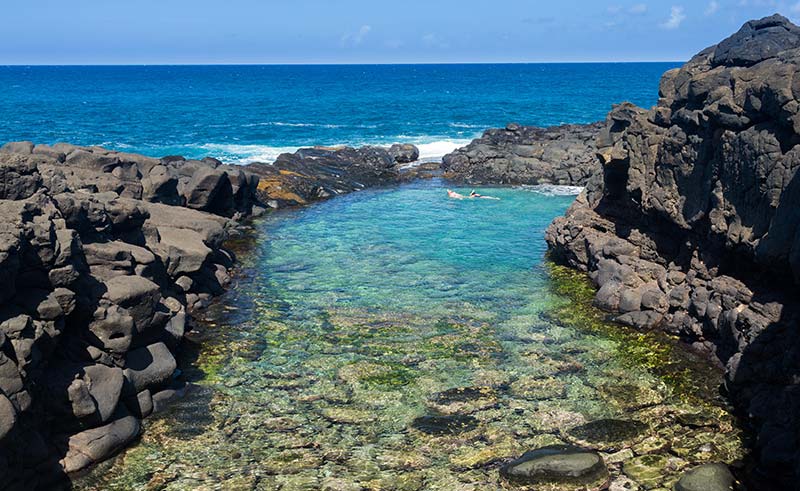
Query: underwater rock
707, 477
539, 388
444, 425
463, 400
608, 434
558, 464
648, 470
348, 415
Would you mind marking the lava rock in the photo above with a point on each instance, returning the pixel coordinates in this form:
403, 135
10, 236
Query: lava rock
404, 153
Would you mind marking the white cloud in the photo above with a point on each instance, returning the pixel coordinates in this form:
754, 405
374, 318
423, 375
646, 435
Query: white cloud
638, 9
614, 9
712, 8
676, 18
356, 38
795, 8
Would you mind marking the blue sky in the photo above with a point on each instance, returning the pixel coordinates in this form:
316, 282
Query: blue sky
368, 31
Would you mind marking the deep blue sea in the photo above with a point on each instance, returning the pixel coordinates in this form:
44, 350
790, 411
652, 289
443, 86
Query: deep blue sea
246, 113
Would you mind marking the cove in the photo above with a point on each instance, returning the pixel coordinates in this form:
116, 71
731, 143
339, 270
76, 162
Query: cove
393, 339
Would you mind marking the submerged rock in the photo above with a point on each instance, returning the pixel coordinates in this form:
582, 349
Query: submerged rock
445, 425
608, 434
463, 400
707, 477
559, 465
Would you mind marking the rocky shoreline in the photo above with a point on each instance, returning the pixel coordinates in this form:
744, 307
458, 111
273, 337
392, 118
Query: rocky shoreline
687, 224
691, 226
561, 155
106, 257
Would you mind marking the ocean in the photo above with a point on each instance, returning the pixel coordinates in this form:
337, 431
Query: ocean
249, 113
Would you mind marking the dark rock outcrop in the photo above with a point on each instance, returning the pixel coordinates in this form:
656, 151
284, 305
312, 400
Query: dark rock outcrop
404, 153
321, 172
563, 155
102, 257
693, 224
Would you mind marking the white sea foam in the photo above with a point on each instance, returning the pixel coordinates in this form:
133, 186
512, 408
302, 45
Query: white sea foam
554, 189
245, 154
438, 149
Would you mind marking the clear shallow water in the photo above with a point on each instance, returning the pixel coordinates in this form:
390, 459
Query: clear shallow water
354, 318
246, 113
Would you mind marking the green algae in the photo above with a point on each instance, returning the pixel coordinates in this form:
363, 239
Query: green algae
655, 351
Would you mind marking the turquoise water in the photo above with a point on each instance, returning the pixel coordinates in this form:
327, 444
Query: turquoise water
394, 339
246, 113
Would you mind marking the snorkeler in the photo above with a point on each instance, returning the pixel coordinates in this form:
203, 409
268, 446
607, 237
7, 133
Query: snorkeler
454, 195
472, 194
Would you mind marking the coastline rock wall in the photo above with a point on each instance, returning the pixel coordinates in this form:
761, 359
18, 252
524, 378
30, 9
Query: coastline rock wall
103, 257
693, 225
563, 155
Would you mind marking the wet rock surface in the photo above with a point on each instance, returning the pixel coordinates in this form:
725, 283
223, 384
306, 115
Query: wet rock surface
558, 465
102, 255
563, 155
708, 477
692, 227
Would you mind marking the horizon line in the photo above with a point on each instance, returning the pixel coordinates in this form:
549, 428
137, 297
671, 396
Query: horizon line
573, 62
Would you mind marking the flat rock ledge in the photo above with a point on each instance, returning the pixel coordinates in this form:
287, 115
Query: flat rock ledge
104, 256
692, 225
514, 155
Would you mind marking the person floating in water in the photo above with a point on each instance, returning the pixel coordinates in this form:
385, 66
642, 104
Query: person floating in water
454, 195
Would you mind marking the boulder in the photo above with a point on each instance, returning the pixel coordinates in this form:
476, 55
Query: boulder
210, 190
138, 296
404, 153
149, 367
97, 444
558, 465
707, 477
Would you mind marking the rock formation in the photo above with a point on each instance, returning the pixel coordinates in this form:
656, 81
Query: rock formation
517, 154
103, 257
322, 172
693, 224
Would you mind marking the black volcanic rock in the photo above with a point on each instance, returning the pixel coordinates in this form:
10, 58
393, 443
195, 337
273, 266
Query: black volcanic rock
322, 172
404, 153
756, 41
693, 224
517, 154
100, 263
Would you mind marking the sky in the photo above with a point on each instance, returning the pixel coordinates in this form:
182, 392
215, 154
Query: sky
60, 32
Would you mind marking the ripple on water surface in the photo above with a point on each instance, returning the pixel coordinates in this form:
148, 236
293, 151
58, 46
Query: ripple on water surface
397, 340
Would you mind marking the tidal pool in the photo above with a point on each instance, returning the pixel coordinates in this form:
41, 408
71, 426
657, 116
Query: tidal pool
394, 339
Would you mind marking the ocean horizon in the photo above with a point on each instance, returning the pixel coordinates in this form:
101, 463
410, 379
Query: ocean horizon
249, 113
